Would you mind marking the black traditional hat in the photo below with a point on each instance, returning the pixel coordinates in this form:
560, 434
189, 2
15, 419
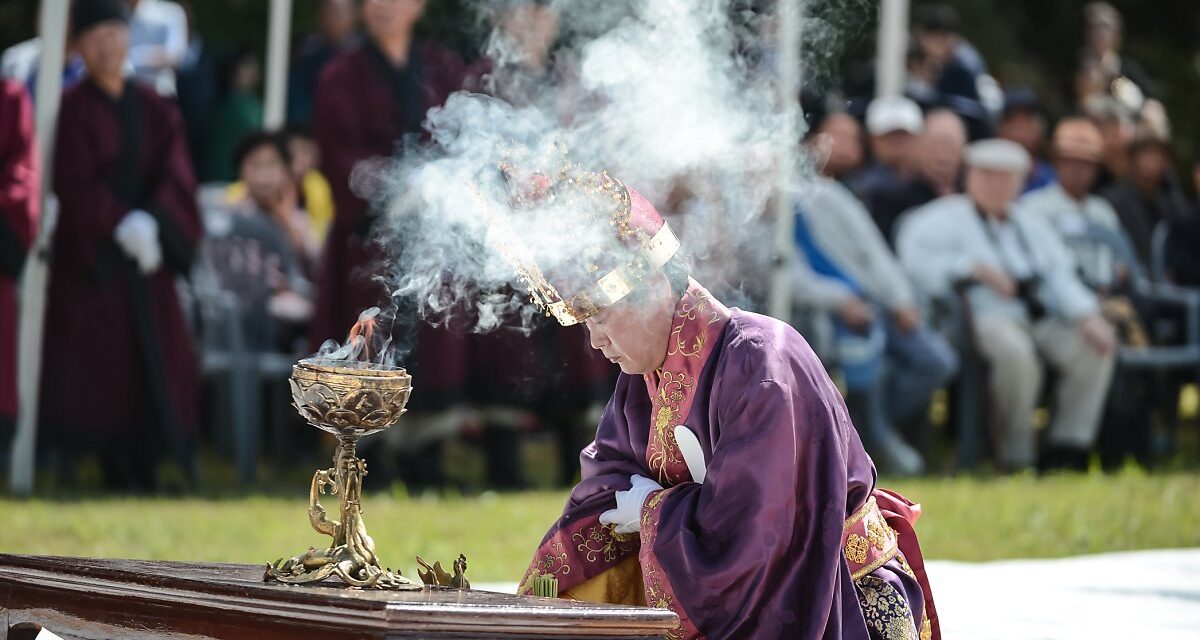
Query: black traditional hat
86, 14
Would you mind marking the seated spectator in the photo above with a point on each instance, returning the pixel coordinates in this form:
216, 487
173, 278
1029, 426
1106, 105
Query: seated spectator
1182, 260
1024, 122
1068, 203
1070, 207
264, 164
839, 144
314, 195
939, 156
848, 270
893, 124
1027, 306
1150, 193
1116, 129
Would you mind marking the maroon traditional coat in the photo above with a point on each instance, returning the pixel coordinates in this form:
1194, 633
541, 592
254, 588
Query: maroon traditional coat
18, 218
364, 106
118, 354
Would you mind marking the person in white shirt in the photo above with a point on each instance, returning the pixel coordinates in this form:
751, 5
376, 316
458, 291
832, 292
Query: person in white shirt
1028, 306
891, 360
158, 42
1068, 203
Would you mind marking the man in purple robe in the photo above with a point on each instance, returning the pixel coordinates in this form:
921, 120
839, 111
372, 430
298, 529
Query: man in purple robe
119, 373
726, 481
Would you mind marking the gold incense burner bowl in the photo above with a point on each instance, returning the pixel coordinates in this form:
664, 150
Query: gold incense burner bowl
345, 399
349, 400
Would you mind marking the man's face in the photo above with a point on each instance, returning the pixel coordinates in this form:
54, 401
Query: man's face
1150, 163
390, 18
337, 19
632, 333
265, 175
305, 155
1076, 176
937, 46
841, 138
993, 190
1103, 36
1024, 127
103, 48
894, 148
941, 149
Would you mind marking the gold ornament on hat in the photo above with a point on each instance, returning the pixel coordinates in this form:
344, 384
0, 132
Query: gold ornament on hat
648, 254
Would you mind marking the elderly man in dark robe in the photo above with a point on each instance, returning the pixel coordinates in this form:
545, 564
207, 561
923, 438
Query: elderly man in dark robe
368, 101
119, 374
19, 206
726, 481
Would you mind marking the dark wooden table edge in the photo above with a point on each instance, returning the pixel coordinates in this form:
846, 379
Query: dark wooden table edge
40, 572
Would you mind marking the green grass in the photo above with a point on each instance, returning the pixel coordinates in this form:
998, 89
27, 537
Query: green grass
965, 519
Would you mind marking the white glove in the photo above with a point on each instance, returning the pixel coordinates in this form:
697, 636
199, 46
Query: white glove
627, 517
137, 235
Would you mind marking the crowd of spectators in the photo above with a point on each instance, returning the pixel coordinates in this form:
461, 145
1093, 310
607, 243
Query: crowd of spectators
956, 237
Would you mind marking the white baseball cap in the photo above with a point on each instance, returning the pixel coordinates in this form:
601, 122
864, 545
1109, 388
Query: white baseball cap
894, 113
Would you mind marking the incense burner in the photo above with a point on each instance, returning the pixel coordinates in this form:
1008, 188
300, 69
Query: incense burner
349, 400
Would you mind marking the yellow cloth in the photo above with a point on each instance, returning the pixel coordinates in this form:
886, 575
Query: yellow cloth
318, 203
621, 584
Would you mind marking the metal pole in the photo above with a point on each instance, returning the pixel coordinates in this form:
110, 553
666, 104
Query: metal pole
53, 29
892, 45
279, 26
779, 301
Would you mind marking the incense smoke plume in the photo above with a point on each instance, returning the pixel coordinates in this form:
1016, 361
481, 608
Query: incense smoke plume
677, 98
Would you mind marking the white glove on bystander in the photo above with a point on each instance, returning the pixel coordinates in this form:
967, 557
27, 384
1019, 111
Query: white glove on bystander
137, 235
627, 517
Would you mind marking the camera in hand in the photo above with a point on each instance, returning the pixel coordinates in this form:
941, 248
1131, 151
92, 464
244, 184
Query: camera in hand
1027, 292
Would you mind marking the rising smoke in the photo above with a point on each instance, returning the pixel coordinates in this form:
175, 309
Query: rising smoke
677, 98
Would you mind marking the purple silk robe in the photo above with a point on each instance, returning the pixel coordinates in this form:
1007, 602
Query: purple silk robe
756, 551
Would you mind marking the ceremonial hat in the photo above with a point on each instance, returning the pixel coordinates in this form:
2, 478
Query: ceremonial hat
86, 14
587, 240
998, 154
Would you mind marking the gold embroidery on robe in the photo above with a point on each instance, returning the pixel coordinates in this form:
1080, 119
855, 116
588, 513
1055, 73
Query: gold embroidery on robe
601, 543
856, 548
659, 597
663, 454
553, 562
886, 611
